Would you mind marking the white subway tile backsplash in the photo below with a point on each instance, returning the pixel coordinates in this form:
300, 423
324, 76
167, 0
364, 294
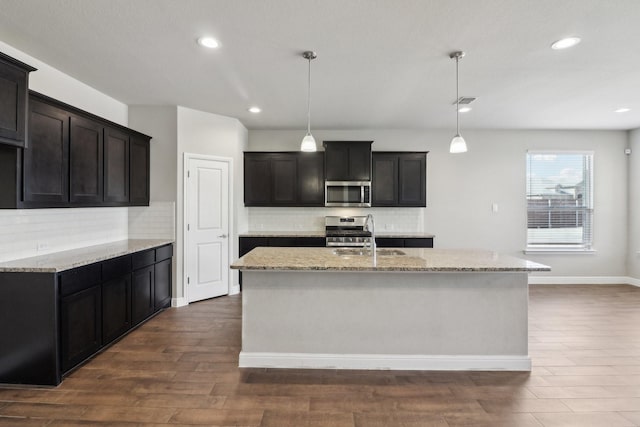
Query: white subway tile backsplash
156, 221
31, 232
312, 219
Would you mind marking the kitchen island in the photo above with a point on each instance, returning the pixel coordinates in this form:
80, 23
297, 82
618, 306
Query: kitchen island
424, 309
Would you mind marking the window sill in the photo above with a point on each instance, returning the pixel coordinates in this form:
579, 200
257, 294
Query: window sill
550, 250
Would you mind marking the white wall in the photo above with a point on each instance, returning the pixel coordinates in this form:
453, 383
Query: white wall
461, 188
53, 230
633, 259
215, 135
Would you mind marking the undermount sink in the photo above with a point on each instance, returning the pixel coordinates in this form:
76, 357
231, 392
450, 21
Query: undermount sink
362, 251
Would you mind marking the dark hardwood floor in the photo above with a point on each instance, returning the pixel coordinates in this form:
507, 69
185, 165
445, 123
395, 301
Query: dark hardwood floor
180, 369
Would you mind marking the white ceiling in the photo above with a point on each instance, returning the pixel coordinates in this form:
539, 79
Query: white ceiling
381, 63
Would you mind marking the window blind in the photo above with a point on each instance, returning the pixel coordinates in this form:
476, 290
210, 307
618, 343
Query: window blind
559, 200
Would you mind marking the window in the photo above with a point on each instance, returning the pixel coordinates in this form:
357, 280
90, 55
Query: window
559, 200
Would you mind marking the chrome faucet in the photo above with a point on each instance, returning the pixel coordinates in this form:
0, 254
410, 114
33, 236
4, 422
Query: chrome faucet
371, 226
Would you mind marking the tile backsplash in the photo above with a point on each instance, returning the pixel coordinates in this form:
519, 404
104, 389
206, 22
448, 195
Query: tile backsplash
156, 221
312, 219
31, 232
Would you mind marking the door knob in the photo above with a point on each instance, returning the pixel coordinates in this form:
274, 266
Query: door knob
223, 236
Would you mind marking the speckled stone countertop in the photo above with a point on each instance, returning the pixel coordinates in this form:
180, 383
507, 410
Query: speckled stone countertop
426, 260
66, 260
300, 233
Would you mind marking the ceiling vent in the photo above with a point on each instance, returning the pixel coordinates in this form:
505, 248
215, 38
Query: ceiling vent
465, 100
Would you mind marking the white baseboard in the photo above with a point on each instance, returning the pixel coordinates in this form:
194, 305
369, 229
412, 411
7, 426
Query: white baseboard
583, 280
384, 362
179, 302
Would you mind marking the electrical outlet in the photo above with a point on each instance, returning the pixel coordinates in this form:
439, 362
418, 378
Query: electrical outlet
42, 246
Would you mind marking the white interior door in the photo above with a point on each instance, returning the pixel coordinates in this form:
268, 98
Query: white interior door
207, 264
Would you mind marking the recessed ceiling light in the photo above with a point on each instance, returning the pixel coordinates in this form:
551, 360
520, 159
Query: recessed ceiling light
565, 43
209, 42
464, 109
254, 110
622, 110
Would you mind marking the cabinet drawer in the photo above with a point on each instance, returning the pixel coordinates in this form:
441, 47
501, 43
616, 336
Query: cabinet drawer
389, 242
419, 243
116, 267
164, 252
78, 279
143, 259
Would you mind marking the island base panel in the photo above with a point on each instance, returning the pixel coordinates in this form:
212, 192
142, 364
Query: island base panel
385, 320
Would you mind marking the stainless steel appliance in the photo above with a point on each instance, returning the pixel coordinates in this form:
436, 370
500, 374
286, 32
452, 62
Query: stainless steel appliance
347, 231
347, 194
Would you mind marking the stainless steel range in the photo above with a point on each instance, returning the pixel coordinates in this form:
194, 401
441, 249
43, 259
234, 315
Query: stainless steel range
347, 231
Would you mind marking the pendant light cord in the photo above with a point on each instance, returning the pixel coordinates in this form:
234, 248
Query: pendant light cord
457, 100
309, 98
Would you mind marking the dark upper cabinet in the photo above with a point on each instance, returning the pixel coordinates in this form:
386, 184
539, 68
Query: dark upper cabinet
347, 160
14, 86
385, 179
399, 179
116, 167
74, 159
310, 179
139, 170
85, 161
283, 179
46, 161
284, 169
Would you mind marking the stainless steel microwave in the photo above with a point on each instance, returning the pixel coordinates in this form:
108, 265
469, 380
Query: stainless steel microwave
347, 194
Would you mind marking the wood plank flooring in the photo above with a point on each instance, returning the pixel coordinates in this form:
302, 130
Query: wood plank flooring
180, 369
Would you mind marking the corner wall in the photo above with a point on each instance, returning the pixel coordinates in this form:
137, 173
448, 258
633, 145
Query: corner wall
633, 255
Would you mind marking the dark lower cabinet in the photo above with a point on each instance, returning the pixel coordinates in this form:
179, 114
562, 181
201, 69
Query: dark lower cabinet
409, 242
116, 308
162, 284
81, 331
142, 301
53, 322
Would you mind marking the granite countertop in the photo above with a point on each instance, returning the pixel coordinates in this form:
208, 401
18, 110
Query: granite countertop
300, 233
66, 260
425, 260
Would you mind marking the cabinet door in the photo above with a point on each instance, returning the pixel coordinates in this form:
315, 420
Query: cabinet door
13, 102
116, 167
257, 179
283, 174
116, 308
46, 160
139, 172
247, 244
85, 162
384, 184
360, 161
310, 179
81, 326
142, 298
336, 161
412, 185
162, 285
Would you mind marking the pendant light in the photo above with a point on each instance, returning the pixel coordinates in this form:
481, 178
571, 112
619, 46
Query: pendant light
458, 144
309, 142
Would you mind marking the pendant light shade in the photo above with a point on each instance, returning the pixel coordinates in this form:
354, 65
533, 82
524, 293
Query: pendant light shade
458, 144
309, 142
